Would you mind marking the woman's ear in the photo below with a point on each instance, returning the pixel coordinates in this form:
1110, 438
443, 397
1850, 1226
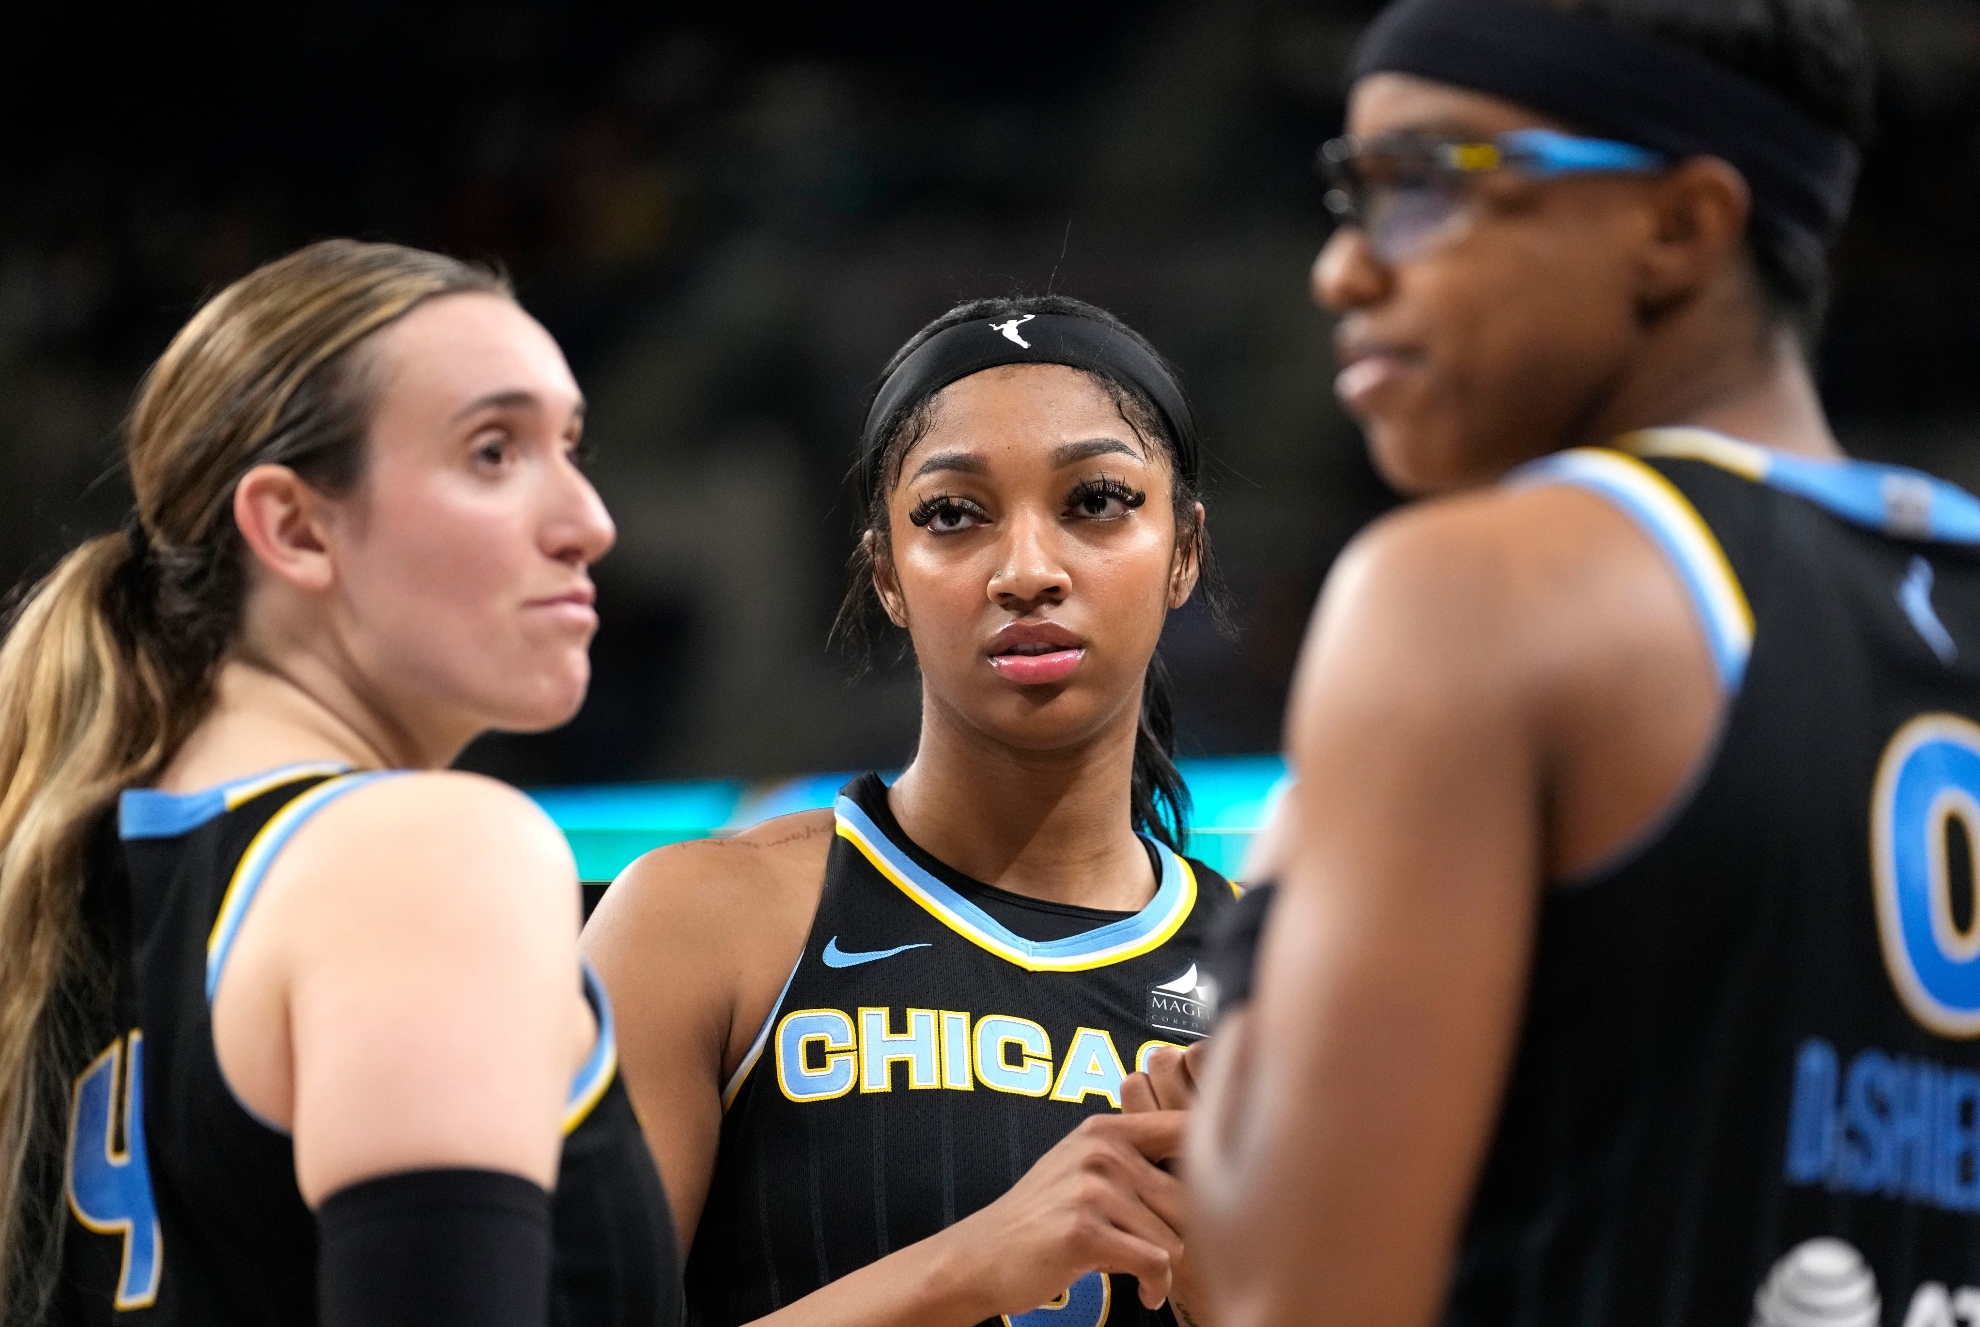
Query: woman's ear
885, 584
283, 520
1698, 219
1187, 565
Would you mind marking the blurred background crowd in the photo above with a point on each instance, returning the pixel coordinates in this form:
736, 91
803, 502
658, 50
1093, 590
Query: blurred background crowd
731, 214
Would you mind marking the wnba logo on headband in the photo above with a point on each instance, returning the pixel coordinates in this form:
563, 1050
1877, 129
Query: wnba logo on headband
1009, 330
1047, 338
1621, 84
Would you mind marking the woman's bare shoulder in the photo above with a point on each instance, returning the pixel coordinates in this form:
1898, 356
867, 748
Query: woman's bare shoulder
722, 887
437, 834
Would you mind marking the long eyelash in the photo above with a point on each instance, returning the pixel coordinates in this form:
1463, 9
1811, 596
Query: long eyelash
1107, 487
929, 508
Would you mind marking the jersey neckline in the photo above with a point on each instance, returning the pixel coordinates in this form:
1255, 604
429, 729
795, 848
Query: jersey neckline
869, 793
1130, 936
149, 813
1891, 499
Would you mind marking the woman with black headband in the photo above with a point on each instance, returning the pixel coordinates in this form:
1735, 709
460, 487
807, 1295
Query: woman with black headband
882, 1052
1622, 967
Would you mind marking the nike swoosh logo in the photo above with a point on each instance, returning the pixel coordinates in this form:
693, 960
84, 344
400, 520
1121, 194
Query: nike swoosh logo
836, 957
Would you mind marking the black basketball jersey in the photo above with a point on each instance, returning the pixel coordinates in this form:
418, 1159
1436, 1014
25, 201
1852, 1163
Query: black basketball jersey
935, 1039
182, 1204
1747, 1088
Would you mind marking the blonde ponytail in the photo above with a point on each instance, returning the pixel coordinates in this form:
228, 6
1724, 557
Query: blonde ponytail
108, 663
70, 703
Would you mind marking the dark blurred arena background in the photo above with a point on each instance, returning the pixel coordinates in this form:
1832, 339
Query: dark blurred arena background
731, 214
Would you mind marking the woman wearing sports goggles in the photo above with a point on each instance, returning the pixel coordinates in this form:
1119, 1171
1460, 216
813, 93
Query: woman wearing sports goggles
1407, 191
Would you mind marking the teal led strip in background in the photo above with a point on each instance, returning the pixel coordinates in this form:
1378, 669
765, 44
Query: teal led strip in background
611, 824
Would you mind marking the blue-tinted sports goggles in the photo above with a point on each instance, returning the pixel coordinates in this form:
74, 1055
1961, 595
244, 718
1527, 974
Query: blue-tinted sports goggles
1407, 190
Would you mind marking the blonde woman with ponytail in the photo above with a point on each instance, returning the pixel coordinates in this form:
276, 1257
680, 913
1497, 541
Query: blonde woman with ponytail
292, 1028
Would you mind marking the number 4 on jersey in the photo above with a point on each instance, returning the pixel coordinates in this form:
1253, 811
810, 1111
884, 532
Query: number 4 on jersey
109, 1187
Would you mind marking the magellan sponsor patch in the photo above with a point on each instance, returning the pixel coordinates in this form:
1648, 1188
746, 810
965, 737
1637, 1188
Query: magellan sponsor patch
1180, 1005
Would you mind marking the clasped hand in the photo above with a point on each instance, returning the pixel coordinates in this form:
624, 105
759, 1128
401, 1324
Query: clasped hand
1106, 1198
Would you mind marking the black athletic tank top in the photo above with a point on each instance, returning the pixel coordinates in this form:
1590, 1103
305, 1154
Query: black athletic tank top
1748, 1086
182, 1204
935, 1039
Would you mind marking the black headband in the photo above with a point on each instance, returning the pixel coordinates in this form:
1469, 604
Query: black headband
1620, 84
1026, 338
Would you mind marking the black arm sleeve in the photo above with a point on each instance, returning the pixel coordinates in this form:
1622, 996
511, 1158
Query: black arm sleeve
435, 1248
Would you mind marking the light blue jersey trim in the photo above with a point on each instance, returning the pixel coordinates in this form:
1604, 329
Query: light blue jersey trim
596, 1074
1892, 499
755, 1053
1112, 943
147, 813
260, 855
1664, 513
